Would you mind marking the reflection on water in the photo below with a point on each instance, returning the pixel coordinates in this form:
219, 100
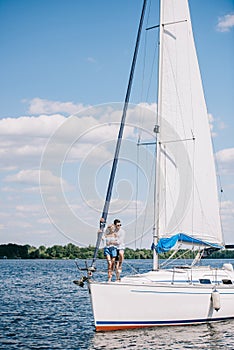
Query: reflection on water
208, 336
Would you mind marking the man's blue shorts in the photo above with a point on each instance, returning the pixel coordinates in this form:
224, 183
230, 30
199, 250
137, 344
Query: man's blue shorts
112, 251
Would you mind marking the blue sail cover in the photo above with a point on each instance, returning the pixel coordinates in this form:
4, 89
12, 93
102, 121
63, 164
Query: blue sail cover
166, 244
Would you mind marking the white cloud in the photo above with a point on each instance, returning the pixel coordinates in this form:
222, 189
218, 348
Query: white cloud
8, 168
24, 176
22, 224
44, 221
43, 106
42, 126
225, 160
217, 123
226, 155
95, 154
33, 189
28, 151
23, 139
34, 177
211, 123
80, 147
225, 23
28, 208
227, 205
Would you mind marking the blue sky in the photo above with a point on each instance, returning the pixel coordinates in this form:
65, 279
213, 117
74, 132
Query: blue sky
58, 57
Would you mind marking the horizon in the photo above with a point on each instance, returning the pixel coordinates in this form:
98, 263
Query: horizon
63, 58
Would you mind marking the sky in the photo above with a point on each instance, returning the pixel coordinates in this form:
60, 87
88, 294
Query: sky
59, 58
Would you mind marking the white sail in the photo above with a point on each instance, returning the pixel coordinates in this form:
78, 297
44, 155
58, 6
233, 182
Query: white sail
188, 199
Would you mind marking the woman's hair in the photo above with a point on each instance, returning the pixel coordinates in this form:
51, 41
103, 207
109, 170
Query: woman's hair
110, 229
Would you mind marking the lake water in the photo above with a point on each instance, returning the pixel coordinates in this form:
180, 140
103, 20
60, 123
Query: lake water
41, 308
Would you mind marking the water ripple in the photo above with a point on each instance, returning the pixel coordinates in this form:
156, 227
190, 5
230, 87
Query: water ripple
40, 308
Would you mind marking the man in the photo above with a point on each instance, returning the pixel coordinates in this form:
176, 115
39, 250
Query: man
120, 247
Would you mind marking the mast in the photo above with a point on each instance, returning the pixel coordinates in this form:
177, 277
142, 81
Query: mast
157, 137
119, 140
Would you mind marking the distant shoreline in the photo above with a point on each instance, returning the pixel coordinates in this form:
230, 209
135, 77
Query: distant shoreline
71, 251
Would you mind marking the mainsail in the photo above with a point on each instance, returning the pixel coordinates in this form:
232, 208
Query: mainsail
188, 199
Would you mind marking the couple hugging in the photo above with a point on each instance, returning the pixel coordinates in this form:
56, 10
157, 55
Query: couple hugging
114, 248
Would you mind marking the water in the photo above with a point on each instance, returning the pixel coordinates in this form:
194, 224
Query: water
40, 308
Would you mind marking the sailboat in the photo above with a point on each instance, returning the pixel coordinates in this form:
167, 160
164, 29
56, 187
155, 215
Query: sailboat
186, 199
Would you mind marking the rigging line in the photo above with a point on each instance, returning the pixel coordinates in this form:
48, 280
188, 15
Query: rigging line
189, 55
152, 67
216, 165
167, 55
177, 258
151, 171
168, 260
136, 199
219, 181
140, 118
144, 72
151, 70
166, 24
180, 109
145, 143
193, 187
150, 186
141, 115
117, 149
202, 208
165, 187
172, 141
131, 267
196, 191
144, 56
168, 191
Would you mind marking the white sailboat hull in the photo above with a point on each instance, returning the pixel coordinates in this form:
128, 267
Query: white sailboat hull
126, 304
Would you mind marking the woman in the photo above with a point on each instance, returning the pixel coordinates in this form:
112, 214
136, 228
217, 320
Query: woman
110, 249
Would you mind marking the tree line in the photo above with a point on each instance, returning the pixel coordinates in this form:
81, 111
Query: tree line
71, 251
